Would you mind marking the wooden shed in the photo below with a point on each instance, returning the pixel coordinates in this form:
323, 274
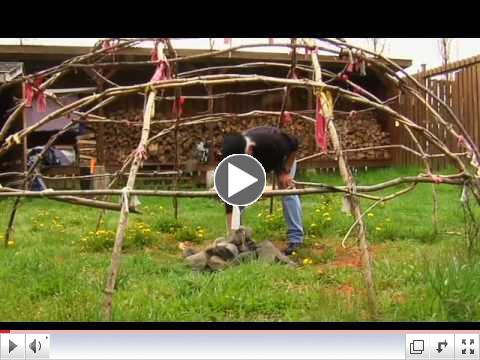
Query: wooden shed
108, 145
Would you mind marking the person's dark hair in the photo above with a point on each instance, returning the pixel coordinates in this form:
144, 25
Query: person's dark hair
233, 144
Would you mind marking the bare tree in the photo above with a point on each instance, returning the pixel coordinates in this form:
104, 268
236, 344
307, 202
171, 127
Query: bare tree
445, 46
377, 44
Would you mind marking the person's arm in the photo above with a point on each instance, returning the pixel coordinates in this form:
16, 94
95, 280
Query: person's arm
285, 180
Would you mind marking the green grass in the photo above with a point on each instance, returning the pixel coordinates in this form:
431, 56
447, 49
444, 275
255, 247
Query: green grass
57, 267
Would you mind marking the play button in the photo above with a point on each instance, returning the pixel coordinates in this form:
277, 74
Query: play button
239, 180
11, 346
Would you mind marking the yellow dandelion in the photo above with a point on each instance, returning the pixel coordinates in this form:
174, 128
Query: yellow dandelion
370, 214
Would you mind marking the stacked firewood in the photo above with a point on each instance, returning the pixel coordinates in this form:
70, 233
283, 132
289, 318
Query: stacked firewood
359, 131
86, 147
362, 130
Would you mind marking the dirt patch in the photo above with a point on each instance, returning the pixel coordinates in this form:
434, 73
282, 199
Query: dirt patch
399, 298
346, 290
345, 257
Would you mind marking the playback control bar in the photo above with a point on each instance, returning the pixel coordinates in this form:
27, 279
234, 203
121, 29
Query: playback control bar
237, 345
458, 346
24, 346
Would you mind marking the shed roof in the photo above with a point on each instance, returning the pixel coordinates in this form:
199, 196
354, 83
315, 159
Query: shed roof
10, 70
51, 53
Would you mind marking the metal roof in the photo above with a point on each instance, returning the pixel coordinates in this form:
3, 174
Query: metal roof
10, 70
60, 53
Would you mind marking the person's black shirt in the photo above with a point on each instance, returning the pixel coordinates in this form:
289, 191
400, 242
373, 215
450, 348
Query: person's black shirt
272, 147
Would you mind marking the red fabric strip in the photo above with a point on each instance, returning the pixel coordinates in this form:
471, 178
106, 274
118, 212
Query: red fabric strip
41, 98
34, 91
29, 93
154, 56
162, 72
181, 101
287, 118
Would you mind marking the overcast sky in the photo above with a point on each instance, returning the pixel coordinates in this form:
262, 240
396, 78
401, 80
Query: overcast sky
419, 50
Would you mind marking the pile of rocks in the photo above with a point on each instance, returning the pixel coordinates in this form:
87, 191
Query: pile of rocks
237, 247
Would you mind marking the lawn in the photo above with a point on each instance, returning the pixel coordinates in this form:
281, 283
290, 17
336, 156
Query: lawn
57, 266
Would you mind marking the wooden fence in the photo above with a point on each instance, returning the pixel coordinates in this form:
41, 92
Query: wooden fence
458, 85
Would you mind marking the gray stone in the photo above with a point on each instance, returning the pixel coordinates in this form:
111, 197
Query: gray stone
223, 250
242, 239
266, 251
245, 256
188, 252
219, 240
197, 261
269, 253
216, 263
231, 247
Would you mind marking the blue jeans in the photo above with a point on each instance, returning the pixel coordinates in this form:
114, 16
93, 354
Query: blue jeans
292, 211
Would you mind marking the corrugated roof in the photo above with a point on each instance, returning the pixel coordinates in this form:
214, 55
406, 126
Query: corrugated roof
10, 70
56, 53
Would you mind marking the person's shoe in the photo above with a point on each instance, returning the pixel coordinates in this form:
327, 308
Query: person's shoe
291, 248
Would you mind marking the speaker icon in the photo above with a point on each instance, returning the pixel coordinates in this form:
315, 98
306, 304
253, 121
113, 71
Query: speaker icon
35, 346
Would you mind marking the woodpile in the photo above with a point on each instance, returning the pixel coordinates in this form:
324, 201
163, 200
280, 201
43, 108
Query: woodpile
362, 130
86, 147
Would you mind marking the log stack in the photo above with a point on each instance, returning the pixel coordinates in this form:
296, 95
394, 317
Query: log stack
362, 130
86, 147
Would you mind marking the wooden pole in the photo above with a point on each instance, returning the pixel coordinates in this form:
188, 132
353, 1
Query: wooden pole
123, 219
423, 81
354, 203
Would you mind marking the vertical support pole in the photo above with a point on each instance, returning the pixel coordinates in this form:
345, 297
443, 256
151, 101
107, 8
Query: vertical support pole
10, 232
423, 81
25, 139
123, 219
175, 143
354, 203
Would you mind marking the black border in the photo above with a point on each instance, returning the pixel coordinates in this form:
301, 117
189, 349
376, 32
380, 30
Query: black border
360, 19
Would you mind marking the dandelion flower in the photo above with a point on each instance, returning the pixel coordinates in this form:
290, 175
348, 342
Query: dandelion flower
370, 214
307, 261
